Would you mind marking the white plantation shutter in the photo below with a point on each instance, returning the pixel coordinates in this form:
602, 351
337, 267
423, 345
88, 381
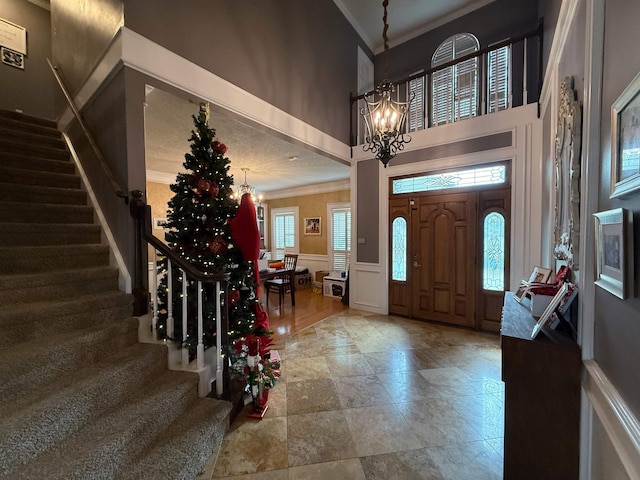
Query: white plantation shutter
498, 79
341, 233
284, 233
455, 88
416, 108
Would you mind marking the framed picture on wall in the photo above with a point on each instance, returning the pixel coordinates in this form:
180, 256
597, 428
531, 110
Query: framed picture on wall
159, 223
625, 141
312, 226
614, 251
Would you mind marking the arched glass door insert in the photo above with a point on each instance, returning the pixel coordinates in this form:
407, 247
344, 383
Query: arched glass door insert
493, 252
399, 250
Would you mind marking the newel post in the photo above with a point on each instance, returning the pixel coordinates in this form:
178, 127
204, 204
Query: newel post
137, 208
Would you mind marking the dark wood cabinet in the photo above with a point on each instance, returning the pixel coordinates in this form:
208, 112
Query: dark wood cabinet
542, 398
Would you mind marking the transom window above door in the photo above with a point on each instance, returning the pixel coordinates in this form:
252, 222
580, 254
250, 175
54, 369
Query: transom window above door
472, 177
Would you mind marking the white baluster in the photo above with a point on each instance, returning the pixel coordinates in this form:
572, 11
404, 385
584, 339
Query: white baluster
169, 299
185, 351
200, 350
219, 353
154, 296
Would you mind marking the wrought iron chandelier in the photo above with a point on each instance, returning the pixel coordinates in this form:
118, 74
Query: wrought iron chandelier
385, 117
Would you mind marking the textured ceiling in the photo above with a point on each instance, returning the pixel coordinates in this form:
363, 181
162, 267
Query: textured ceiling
168, 126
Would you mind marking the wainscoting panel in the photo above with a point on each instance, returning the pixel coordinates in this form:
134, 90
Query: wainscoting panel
619, 422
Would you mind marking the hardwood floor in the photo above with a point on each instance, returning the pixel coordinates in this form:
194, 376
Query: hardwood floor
310, 308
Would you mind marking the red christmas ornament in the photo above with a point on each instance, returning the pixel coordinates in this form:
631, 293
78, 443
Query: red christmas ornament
214, 189
234, 296
220, 147
219, 246
203, 185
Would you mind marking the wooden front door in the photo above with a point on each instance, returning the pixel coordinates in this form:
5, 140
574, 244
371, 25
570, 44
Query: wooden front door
443, 258
446, 262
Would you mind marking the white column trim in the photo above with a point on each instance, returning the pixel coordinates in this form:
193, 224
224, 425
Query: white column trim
589, 187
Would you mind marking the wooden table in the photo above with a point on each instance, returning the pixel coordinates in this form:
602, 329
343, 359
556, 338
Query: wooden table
269, 275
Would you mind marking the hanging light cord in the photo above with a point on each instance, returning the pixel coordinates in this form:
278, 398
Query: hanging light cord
385, 3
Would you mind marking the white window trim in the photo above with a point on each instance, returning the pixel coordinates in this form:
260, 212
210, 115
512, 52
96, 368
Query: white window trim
330, 208
296, 221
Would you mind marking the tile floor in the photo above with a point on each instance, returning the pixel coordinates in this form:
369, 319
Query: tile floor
367, 396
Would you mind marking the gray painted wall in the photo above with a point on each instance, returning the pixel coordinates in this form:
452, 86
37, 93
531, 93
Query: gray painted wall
368, 212
81, 33
617, 322
298, 56
31, 90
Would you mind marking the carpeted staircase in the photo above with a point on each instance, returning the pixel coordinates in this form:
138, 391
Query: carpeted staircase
80, 397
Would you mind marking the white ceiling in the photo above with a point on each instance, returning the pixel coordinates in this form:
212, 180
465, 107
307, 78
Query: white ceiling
406, 18
275, 165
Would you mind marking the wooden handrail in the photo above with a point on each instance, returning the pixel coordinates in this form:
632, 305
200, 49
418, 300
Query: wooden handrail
141, 213
115, 183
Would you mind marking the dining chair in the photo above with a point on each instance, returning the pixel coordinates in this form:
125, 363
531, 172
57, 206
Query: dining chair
284, 283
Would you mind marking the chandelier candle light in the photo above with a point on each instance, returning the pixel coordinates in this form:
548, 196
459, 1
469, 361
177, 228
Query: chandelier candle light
384, 117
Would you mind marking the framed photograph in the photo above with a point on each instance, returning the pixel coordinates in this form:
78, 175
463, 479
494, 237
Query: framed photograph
522, 291
547, 316
159, 223
12, 58
614, 229
539, 275
625, 141
312, 226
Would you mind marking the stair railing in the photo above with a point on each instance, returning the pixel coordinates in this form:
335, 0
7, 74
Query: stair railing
115, 182
179, 359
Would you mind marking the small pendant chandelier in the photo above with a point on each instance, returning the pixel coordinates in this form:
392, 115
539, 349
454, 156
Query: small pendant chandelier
384, 117
245, 187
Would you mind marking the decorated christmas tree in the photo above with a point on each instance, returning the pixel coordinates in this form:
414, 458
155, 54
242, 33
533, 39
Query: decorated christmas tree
199, 223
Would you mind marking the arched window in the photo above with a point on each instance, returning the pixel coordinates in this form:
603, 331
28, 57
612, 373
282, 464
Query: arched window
454, 89
399, 249
493, 252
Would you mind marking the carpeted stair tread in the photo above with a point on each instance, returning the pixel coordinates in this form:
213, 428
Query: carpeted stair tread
27, 120
27, 322
30, 136
79, 398
33, 364
35, 194
40, 234
184, 448
25, 148
99, 448
50, 258
38, 164
38, 178
60, 285
21, 212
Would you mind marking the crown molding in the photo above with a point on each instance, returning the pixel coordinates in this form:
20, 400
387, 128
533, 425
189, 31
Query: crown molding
315, 188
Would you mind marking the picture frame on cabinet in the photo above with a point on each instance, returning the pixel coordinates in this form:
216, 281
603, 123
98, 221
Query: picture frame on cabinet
614, 231
625, 141
547, 317
540, 275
